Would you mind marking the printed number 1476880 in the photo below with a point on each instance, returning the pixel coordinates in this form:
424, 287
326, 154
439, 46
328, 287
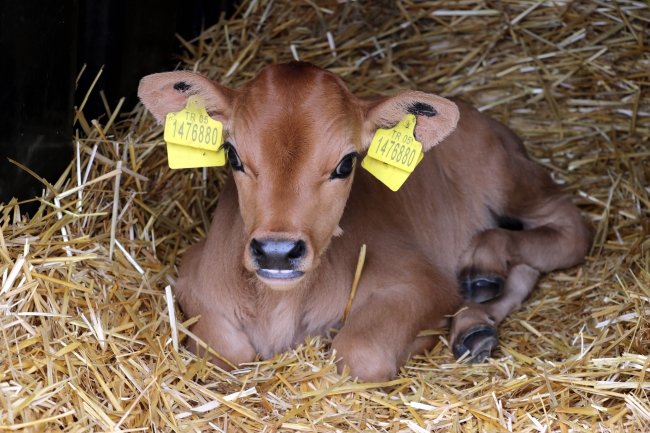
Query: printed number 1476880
194, 128
396, 148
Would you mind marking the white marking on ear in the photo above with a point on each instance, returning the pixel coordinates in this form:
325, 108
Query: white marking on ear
338, 231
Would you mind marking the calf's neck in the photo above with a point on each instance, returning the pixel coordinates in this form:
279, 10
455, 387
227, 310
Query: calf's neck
470, 230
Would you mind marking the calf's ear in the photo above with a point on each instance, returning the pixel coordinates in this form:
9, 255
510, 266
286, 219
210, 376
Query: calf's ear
168, 92
436, 116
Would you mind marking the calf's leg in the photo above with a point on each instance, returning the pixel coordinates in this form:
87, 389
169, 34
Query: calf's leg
473, 329
198, 295
372, 341
225, 339
501, 268
381, 333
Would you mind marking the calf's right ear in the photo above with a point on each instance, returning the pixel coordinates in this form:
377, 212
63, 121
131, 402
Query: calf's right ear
168, 92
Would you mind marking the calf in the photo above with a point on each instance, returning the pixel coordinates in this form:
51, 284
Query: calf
467, 234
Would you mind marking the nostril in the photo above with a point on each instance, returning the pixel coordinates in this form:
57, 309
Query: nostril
297, 251
257, 249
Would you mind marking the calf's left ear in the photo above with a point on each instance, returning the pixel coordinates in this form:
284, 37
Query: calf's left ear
436, 116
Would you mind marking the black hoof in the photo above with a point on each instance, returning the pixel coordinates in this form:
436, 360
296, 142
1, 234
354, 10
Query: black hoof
482, 289
479, 342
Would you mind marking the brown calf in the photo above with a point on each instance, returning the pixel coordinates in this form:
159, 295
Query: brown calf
473, 226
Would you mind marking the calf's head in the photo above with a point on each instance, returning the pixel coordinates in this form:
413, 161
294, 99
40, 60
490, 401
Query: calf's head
294, 137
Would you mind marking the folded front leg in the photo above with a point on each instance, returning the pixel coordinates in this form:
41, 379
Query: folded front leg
381, 332
223, 337
202, 295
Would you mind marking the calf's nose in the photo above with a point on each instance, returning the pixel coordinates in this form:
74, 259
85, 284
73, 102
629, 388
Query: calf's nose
277, 254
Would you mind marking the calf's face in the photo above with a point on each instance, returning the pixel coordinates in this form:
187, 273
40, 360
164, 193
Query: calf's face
294, 137
293, 148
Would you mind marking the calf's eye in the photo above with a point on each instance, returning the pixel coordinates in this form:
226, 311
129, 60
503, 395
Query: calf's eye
233, 158
345, 167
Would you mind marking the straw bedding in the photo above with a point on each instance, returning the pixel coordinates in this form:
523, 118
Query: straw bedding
89, 335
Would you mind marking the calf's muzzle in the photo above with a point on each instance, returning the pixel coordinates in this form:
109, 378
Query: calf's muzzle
278, 258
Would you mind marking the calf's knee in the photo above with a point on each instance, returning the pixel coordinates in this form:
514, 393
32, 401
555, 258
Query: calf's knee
366, 361
235, 347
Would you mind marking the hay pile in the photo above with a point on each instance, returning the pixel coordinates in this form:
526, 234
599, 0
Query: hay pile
87, 343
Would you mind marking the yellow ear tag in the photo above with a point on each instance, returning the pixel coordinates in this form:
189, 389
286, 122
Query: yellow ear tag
193, 138
394, 153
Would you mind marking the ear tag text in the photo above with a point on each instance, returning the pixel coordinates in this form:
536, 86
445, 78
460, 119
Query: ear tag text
193, 138
394, 153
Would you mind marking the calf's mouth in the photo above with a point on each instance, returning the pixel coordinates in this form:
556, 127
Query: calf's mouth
282, 274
